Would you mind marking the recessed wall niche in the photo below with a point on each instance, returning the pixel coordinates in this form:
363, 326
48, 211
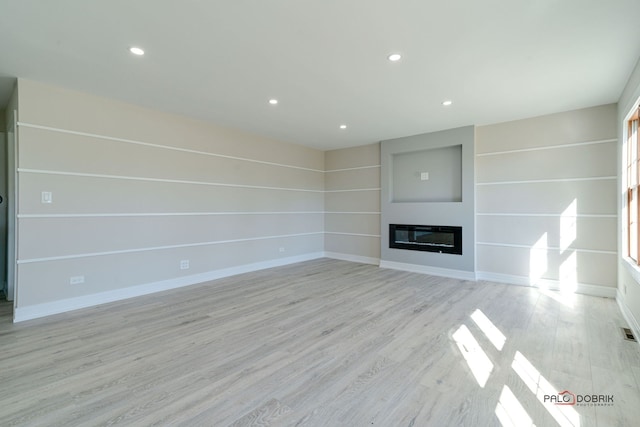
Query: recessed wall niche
431, 175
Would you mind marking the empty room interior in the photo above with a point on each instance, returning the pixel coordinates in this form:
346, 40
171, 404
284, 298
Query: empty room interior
330, 213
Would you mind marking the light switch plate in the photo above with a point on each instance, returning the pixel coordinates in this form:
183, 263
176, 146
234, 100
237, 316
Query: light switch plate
76, 280
424, 176
47, 197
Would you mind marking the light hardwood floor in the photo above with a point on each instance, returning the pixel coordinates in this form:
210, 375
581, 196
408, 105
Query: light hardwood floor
323, 343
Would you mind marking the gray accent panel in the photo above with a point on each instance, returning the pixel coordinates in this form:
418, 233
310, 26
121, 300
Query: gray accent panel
452, 214
443, 167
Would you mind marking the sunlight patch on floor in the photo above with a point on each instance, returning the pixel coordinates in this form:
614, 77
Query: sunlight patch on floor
478, 361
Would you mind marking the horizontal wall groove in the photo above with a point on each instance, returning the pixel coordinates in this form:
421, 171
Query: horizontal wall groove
536, 181
352, 190
553, 215
352, 234
550, 147
549, 248
160, 146
153, 214
166, 180
157, 248
352, 169
352, 213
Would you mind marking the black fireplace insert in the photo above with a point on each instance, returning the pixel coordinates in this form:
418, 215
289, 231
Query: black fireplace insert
431, 238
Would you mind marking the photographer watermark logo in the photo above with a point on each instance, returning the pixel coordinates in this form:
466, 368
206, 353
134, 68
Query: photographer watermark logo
568, 398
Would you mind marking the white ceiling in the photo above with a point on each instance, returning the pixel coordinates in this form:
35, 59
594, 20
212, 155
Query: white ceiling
326, 60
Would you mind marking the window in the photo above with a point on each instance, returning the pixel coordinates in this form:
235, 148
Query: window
633, 184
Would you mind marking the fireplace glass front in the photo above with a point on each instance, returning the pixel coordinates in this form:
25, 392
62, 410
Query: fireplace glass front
431, 238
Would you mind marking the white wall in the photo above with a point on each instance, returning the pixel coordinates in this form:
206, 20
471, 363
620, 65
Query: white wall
136, 191
10, 265
628, 275
546, 201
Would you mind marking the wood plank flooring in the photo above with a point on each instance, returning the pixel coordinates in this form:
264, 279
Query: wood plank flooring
323, 343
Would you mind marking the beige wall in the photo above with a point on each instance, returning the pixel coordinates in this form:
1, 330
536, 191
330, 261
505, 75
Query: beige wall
136, 191
546, 192
352, 203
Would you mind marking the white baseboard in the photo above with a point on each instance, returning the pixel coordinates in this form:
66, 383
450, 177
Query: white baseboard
553, 285
424, 269
352, 258
628, 315
62, 306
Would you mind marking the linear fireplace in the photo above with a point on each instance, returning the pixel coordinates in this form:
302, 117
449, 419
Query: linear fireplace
431, 238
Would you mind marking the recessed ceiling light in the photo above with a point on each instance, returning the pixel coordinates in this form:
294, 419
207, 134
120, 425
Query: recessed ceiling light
343, 126
136, 51
447, 103
394, 57
273, 101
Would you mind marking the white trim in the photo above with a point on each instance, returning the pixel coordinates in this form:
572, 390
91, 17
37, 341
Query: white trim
352, 169
628, 315
166, 147
546, 215
553, 248
548, 147
353, 189
352, 234
173, 181
631, 266
554, 285
147, 214
537, 181
61, 306
425, 269
155, 248
352, 258
352, 213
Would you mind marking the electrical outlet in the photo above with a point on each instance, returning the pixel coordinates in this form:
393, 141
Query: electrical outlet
47, 197
76, 280
424, 176
184, 264
281, 250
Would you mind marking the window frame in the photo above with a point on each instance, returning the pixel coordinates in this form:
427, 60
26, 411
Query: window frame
632, 185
